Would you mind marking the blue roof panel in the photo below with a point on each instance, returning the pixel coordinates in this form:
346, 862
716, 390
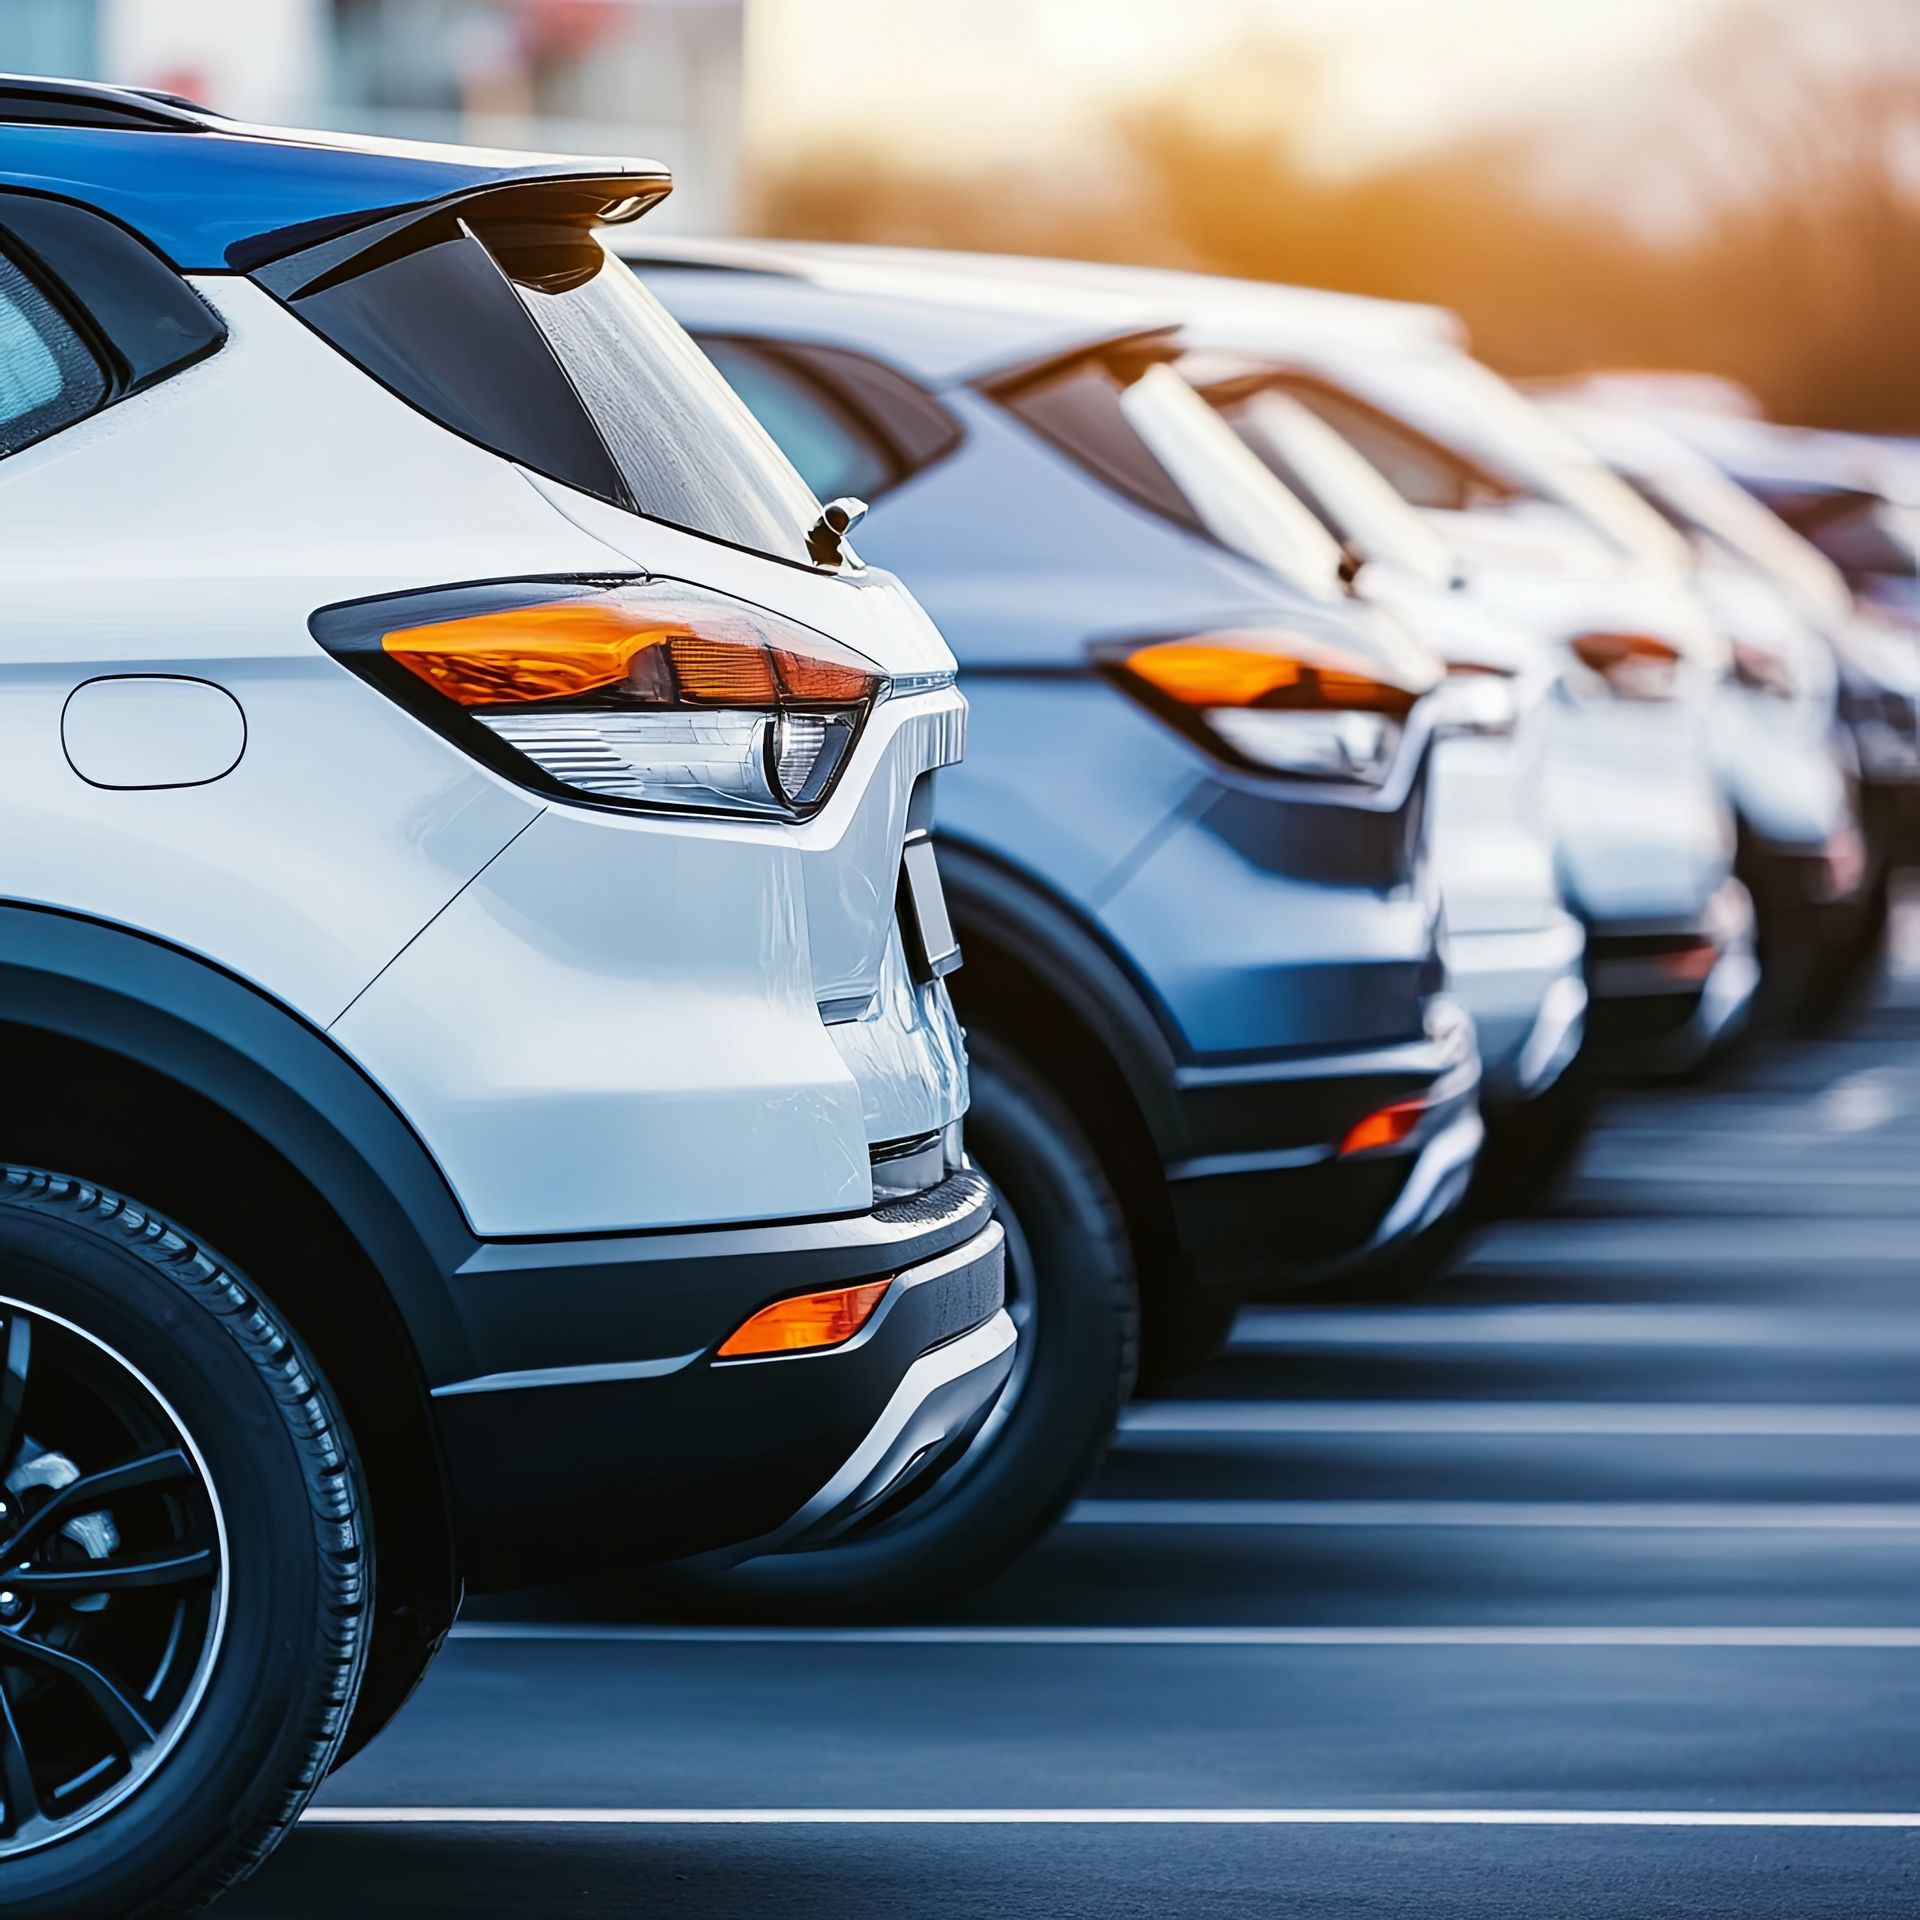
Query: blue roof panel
211, 199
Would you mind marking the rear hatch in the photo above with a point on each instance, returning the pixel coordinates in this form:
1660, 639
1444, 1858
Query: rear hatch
500, 314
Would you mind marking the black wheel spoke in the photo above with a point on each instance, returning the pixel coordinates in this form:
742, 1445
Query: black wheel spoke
22, 1797
95, 1490
102, 1659
113, 1706
15, 1353
190, 1566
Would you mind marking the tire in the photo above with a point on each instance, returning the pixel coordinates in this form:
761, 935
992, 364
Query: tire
1071, 1287
1531, 1149
1181, 1330
1853, 965
127, 1340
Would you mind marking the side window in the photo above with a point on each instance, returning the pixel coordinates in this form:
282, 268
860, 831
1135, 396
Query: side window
122, 318
1421, 473
48, 377
834, 451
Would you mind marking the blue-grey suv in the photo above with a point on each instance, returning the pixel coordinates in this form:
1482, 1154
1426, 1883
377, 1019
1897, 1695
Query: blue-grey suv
1186, 854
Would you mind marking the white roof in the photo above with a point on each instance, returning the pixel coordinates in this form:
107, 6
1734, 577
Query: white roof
924, 313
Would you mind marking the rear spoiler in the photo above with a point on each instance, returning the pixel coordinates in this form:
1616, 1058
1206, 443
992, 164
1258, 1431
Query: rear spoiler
291, 259
1150, 345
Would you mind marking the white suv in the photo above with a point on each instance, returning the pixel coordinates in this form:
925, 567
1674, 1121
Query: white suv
482, 1103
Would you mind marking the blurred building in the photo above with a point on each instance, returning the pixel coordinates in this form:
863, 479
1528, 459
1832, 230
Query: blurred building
655, 77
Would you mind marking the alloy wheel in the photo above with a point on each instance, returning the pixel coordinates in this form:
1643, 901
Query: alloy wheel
113, 1593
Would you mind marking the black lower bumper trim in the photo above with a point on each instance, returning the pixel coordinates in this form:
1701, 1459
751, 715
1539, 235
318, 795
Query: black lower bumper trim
627, 1442
1274, 1203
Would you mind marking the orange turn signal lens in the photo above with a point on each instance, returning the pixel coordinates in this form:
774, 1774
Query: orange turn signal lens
622, 691
1388, 1127
659, 646
805, 1322
1273, 671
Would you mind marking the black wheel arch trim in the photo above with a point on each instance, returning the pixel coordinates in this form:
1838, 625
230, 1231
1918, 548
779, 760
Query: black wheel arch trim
1046, 936
175, 1014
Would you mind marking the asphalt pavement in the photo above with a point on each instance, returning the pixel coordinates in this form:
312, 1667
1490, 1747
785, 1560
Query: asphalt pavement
1589, 1588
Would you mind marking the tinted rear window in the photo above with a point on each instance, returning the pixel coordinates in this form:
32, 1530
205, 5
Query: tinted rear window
1133, 422
1080, 409
532, 340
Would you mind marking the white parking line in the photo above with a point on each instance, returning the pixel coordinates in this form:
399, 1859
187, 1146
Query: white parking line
1681, 1515
1554, 1326
1628, 1161
1523, 1417
1086, 1817
623, 1633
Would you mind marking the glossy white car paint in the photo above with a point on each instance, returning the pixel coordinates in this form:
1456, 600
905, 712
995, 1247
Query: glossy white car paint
1514, 952
524, 978
1774, 744
152, 730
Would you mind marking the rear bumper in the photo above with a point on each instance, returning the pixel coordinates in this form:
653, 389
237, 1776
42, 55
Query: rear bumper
1663, 995
1527, 994
612, 1435
1275, 1203
933, 1410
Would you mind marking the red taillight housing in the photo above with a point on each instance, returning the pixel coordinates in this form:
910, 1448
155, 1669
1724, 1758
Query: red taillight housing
1635, 666
635, 692
1280, 701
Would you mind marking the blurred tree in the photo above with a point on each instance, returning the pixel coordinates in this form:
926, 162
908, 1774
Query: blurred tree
1755, 212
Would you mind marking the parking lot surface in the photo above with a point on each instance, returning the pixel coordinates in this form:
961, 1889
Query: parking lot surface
1589, 1586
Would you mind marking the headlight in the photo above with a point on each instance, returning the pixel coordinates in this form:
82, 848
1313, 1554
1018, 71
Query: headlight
1279, 701
635, 692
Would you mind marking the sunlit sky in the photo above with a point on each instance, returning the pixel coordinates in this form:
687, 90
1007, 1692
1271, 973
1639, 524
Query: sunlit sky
932, 77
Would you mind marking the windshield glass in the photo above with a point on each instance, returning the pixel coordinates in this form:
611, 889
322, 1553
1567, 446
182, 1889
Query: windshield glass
1237, 498
689, 449
1456, 401
1353, 498
1705, 502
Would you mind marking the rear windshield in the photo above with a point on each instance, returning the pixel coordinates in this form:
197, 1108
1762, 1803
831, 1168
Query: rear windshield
1354, 500
1137, 425
531, 339
1469, 408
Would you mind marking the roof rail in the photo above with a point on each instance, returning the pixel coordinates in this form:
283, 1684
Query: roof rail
28, 98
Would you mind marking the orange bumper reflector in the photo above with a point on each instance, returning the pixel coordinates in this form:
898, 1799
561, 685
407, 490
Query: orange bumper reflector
807, 1320
1386, 1128
1689, 963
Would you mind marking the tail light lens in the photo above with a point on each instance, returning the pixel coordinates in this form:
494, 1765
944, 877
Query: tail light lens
1279, 701
641, 693
1762, 670
1633, 666
1476, 699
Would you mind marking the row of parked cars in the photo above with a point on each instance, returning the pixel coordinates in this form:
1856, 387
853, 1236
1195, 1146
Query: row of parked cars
491, 1098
